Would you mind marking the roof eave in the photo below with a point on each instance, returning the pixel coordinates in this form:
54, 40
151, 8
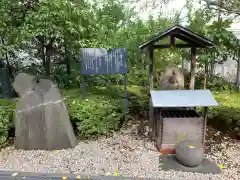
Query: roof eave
204, 40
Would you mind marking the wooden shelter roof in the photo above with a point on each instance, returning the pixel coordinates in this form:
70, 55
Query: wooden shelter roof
192, 39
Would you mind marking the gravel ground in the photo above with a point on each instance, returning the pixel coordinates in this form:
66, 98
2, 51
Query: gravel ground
124, 153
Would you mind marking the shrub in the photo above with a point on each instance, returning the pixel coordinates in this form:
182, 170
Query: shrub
214, 83
138, 77
227, 114
7, 107
100, 114
66, 81
95, 116
91, 117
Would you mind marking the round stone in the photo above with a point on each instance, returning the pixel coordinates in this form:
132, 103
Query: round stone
189, 153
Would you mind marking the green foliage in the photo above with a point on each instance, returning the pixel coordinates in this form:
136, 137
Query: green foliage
215, 83
138, 99
95, 116
65, 26
99, 114
65, 80
102, 112
227, 114
7, 108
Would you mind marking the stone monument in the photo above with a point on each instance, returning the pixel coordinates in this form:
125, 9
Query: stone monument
42, 120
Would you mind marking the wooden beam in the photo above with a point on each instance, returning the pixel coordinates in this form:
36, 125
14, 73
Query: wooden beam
164, 46
189, 40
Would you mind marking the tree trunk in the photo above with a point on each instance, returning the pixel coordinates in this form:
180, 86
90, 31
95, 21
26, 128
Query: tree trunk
48, 65
67, 59
50, 51
43, 56
238, 75
42, 50
205, 73
238, 72
68, 68
211, 67
9, 67
183, 64
8, 64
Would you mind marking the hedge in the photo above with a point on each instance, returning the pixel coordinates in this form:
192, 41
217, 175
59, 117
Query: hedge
95, 116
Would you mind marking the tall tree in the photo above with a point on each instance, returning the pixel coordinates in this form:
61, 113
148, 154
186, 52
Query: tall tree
54, 24
229, 6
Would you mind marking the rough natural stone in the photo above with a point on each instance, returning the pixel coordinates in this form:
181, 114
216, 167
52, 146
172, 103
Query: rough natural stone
42, 120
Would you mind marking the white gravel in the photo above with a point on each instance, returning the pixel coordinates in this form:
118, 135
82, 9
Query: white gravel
122, 153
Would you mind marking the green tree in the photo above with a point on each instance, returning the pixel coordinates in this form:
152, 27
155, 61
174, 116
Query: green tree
54, 25
229, 6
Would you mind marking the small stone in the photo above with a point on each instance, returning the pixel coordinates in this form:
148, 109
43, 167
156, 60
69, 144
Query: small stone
14, 174
108, 174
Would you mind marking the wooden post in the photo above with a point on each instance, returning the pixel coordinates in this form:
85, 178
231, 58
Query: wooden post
205, 74
193, 66
83, 86
151, 119
125, 97
151, 110
157, 118
151, 69
172, 41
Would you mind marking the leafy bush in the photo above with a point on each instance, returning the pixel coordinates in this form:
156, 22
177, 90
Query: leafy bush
102, 112
138, 99
227, 114
66, 81
138, 77
7, 107
98, 115
95, 116
216, 83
